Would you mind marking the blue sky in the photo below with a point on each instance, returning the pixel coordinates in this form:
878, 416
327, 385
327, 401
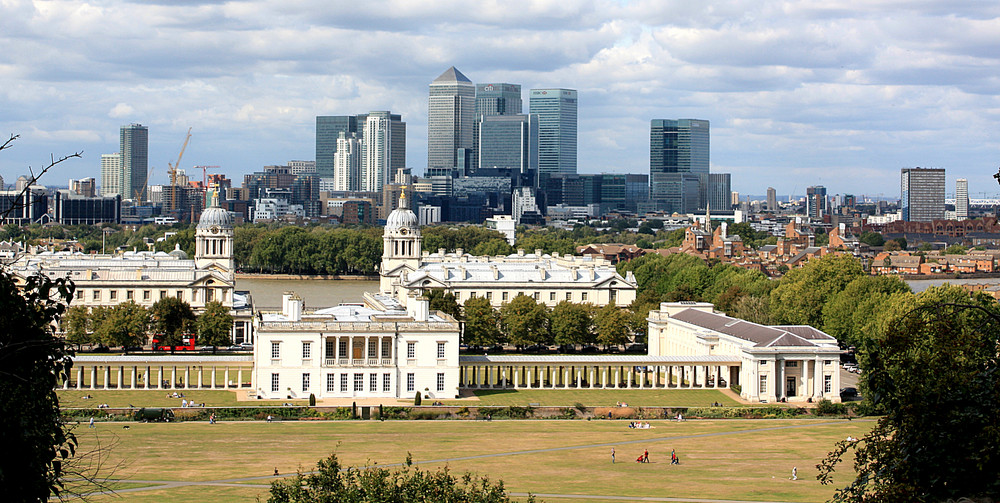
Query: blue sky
815, 92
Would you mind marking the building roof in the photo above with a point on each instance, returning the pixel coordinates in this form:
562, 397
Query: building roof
600, 359
520, 269
761, 336
452, 75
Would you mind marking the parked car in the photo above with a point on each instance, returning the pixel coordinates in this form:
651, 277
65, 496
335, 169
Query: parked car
848, 394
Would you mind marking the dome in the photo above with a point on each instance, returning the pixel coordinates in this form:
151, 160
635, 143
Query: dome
402, 216
178, 253
215, 217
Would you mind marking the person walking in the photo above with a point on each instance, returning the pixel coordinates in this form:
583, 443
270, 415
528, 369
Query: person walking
795, 473
612, 455
92, 423
645, 456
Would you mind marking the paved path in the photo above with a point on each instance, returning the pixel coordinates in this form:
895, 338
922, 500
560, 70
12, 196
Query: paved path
243, 481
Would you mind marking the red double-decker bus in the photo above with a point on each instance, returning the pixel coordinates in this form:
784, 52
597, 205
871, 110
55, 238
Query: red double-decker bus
187, 339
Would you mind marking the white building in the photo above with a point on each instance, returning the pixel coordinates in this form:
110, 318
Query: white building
347, 163
523, 201
549, 279
378, 349
504, 224
270, 209
777, 363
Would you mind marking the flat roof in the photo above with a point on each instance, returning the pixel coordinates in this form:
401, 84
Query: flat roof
601, 359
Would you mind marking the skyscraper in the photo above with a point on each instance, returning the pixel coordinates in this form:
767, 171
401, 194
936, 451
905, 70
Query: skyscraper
492, 99
720, 191
328, 129
772, 199
134, 150
922, 194
111, 175
816, 202
347, 163
376, 160
508, 141
678, 163
450, 115
961, 199
557, 119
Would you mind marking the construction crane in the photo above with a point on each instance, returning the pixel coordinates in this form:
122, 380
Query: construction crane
145, 183
172, 169
204, 174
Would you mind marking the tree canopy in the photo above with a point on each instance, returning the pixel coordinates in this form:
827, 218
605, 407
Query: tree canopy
171, 318
802, 293
214, 325
482, 323
571, 323
525, 321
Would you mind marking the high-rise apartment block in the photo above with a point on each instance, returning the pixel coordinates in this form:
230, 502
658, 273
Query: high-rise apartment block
557, 125
328, 129
678, 163
922, 194
816, 202
134, 150
86, 187
772, 199
719, 192
347, 163
450, 117
380, 153
111, 175
961, 199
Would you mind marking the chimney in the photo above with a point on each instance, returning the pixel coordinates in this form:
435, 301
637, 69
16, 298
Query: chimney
291, 306
417, 307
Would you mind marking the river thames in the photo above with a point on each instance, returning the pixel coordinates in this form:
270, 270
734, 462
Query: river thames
317, 293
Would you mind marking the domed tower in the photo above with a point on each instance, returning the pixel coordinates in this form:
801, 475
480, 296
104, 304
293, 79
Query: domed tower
400, 244
214, 240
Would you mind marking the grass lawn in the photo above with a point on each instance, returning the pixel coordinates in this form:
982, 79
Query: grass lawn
600, 397
156, 398
720, 459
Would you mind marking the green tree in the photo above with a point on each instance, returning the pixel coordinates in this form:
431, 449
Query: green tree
613, 327
800, 297
525, 321
892, 245
492, 248
861, 300
126, 324
439, 300
332, 482
754, 308
171, 319
871, 238
214, 325
571, 323
76, 323
482, 323
37, 444
931, 368
956, 249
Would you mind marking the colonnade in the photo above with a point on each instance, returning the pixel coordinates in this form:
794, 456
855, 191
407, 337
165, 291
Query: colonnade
359, 351
590, 375
159, 375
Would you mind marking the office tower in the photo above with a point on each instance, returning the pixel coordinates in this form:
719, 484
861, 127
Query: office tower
450, 115
922, 194
557, 118
328, 129
134, 150
508, 142
772, 199
816, 202
961, 199
383, 147
302, 167
493, 99
678, 163
720, 191
111, 175
347, 163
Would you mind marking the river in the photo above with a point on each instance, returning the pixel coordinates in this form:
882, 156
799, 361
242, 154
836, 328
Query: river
317, 293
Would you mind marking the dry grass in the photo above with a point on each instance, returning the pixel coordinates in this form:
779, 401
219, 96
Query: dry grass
745, 462
600, 397
155, 398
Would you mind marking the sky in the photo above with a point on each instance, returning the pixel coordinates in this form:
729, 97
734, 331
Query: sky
814, 92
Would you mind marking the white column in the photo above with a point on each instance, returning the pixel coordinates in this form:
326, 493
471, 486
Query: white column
818, 378
187, 377
213, 378
516, 371
225, 377
135, 371
239, 377
201, 375
618, 379
121, 375
79, 378
350, 353
503, 376
107, 376
779, 373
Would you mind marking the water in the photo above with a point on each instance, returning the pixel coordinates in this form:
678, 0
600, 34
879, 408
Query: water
317, 293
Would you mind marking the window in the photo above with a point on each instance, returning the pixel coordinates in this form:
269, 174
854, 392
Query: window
274, 383
583, 296
343, 383
440, 381
386, 349
827, 384
505, 296
552, 295
331, 382
373, 382
179, 294
147, 294
535, 296
129, 294
79, 294
275, 350
113, 294
410, 382
489, 295
440, 350
97, 295
827, 362
163, 294
359, 382
373, 348
791, 364
763, 385
342, 350
306, 350
386, 383
569, 295
411, 350
305, 382
328, 349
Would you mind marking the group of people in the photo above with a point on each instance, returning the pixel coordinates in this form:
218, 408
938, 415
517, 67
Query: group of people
638, 425
103, 406
211, 418
644, 457
185, 403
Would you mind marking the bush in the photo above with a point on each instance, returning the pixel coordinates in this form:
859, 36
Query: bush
424, 414
737, 389
312, 400
580, 407
416, 399
828, 408
512, 412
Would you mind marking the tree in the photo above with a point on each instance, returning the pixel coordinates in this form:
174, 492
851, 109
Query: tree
892, 245
613, 327
492, 248
956, 249
848, 311
332, 482
126, 325
802, 293
871, 238
439, 300
571, 324
755, 309
172, 318
525, 321
35, 440
214, 325
482, 323
76, 323
931, 368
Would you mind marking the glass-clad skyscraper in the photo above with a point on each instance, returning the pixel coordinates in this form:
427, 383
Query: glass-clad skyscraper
496, 98
328, 129
134, 152
678, 163
557, 123
508, 142
922, 194
450, 115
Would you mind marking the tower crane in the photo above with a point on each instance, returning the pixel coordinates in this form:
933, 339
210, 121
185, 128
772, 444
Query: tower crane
172, 169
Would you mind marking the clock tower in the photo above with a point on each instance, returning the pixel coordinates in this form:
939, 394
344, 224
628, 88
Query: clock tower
214, 240
400, 244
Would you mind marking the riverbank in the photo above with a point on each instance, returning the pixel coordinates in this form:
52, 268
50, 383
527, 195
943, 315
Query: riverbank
299, 277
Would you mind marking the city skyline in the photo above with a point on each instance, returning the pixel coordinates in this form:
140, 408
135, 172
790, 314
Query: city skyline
793, 102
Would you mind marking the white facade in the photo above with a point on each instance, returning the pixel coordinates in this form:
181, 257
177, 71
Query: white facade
111, 175
523, 201
377, 153
270, 209
778, 363
504, 224
378, 349
429, 214
347, 163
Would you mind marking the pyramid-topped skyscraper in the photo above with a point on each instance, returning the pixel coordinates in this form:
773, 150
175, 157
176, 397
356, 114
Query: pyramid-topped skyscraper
450, 116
